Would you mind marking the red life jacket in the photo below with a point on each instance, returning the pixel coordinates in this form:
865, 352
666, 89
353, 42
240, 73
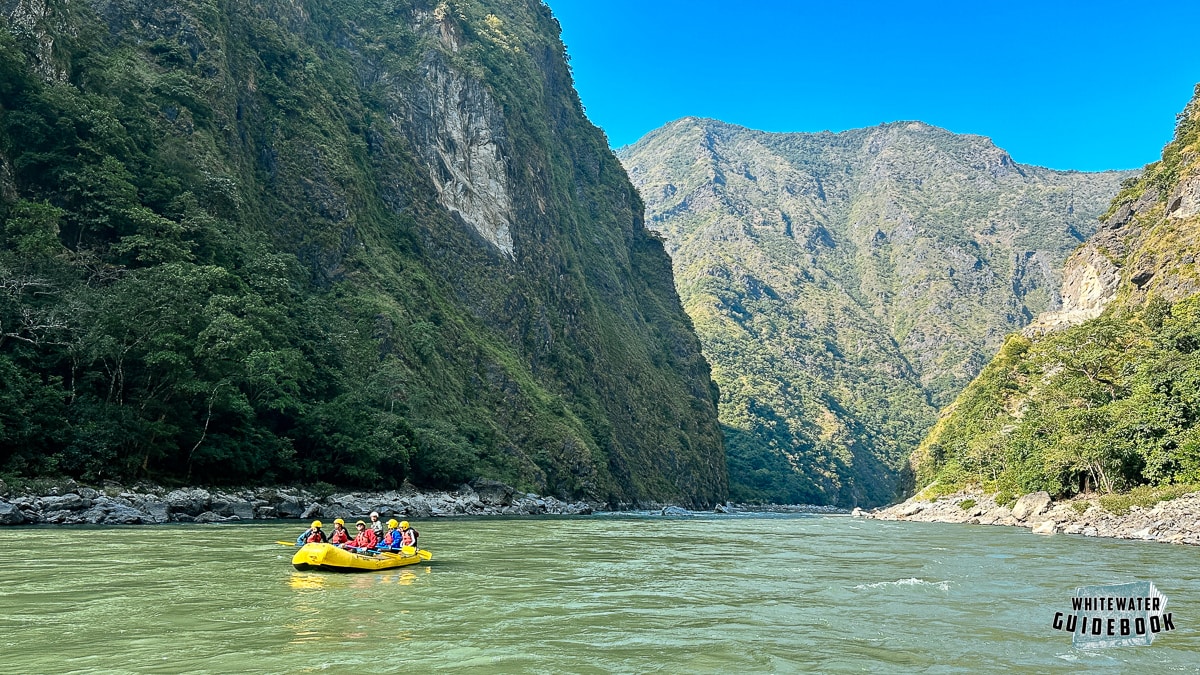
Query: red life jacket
317, 537
366, 539
392, 539
339, 537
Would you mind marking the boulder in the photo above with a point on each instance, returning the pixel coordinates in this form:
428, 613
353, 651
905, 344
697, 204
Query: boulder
674, 511
288, 508
912, 509
1045, 527
67, 502
314, 510
209, 517
10, 515
157, 512
191, 502
857, 512
1030, 505
113, 514
493, 493
264, 511
241, 510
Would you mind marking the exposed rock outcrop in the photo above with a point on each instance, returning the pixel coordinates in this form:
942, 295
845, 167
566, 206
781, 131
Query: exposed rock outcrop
1175, 521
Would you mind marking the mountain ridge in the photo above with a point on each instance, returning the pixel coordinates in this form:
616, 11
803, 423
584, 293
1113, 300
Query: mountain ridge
876, 267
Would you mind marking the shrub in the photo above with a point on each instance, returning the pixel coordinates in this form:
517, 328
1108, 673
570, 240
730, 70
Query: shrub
967, 504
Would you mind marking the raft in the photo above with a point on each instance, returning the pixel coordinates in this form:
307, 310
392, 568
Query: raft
330, 558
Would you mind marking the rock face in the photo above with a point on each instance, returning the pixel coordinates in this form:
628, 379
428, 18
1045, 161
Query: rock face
847, 285
458, 130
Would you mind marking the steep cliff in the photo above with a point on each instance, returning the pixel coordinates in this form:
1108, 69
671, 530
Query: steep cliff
346, 241
1100, 394
847, 285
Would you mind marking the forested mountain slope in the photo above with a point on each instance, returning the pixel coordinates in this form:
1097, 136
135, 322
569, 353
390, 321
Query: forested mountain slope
1103, 394
845, 286
350, 241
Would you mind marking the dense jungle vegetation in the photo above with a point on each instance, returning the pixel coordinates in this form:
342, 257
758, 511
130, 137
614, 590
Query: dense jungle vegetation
223, 259
1110, 404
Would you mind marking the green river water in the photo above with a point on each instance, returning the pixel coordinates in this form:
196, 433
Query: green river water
597, 594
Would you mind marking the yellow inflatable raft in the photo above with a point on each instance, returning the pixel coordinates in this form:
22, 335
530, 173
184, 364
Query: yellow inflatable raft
330, 558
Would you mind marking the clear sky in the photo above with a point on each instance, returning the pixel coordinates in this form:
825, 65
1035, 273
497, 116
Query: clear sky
1064, 84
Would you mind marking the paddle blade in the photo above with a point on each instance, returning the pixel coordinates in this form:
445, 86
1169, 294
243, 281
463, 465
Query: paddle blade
425, 555
408, 550
286, 543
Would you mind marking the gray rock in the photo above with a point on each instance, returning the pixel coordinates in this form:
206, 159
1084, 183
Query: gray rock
493, 493
113, 514
10, 515
857, 512
314, 510
191, 502
157, 512
1046, 527
674, 511
912, 509
182, 518
209, 517
60, 517
88, 493
289, 509
241, 510
1030, 505
67, 502
264, 512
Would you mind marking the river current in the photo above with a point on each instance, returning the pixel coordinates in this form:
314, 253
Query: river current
599, 594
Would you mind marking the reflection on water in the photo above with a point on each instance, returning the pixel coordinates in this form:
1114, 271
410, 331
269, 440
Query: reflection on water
600, 594
305, 581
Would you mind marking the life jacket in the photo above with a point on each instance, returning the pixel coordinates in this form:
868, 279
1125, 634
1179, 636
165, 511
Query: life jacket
408, 537
366, 539
317, 537
392, 539
339, 536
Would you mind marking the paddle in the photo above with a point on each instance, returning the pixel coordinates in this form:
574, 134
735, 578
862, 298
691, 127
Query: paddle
286, 543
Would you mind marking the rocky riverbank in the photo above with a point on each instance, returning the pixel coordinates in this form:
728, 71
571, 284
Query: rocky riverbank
1176, 521
112, 504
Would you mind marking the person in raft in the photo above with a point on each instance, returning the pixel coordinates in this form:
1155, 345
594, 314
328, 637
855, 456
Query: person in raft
377, 525
364, 540
393, 538
340, 535
313, 535
409, 534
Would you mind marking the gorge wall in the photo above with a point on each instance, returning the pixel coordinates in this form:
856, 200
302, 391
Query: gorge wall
350, 242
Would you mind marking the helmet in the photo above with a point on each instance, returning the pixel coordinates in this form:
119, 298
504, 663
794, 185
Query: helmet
360, 524
374, 514
316, 523
404, 525
392, 523
339, 521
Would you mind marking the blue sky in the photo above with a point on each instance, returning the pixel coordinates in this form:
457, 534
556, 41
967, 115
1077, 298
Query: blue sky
1068, 85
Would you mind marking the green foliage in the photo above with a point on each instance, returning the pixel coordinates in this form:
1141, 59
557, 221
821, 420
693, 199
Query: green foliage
840, 312
967, 504
1144, 496
226, 263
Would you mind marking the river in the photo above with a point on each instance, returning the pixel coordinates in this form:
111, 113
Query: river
600, 594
